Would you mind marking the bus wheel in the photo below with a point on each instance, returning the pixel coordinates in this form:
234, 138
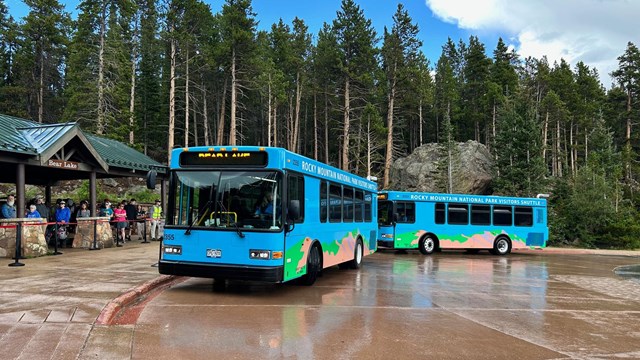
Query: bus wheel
314, 265
502, 246
427, 245
357, 256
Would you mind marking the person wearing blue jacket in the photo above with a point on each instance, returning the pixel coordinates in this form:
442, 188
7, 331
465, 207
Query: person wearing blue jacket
9, 208
63, 214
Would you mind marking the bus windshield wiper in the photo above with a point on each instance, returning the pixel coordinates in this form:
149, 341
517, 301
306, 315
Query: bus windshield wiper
196, 220
235, 223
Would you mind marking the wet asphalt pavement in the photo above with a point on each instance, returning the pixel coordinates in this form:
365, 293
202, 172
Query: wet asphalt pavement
529, 305
407, 306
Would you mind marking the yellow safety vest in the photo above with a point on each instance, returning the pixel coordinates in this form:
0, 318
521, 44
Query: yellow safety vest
157, 212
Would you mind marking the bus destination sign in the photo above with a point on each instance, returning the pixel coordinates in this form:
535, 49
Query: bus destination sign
223, 158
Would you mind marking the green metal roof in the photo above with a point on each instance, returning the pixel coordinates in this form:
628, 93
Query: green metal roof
10, 138
31, 138
120, 155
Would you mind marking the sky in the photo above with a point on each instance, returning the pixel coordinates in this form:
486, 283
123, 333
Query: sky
593, 31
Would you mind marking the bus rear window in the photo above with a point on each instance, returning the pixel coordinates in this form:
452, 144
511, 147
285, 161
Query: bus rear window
458, 214
502, 216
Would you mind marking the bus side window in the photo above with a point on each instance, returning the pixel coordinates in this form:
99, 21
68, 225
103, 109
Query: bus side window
480, 215
406, 212
335, 203
458, 214
368, 210
440, 213
295, 188
523, 216
324, 204
502, 216
359, 205
347, 204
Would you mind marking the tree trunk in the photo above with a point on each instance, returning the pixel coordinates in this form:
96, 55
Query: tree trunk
172, 95
296, 120
315, 125
571, 159
234, 90
389, 153
326, 126
186, 101
41, 90
544, 138
101, 101
221, 121
269, 113
369, 147
420, 125
347, 123
275, 124
205, 116
132, 99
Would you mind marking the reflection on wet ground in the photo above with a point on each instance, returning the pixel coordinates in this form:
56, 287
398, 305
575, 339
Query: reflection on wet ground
445, 306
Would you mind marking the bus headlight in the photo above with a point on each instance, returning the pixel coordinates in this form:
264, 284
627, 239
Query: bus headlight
259, 254
387, 236
172, 250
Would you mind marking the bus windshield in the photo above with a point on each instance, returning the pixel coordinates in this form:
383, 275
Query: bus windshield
227, 199
385, 212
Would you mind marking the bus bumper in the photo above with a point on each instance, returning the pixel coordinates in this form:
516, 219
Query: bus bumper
231, 272
385, 244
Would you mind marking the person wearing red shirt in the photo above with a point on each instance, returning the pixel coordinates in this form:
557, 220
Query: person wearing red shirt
120, 215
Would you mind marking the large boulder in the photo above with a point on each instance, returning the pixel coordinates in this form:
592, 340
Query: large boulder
426, 169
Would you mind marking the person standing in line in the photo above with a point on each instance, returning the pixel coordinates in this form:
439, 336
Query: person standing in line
62, 213
155, 213
120, 215
141, 216
84, 210
41, 207
33, 213
131, 210
9, 208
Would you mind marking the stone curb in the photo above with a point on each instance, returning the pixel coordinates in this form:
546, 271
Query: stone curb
111, 310
578, 251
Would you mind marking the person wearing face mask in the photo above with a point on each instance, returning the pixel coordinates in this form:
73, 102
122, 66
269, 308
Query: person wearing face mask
9, 208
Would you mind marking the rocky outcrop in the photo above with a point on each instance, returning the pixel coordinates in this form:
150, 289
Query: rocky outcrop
426, 169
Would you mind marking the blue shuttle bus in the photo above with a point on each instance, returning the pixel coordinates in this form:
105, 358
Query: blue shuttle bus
429, 222
263, 214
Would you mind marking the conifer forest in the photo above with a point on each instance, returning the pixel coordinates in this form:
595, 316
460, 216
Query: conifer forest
156, 74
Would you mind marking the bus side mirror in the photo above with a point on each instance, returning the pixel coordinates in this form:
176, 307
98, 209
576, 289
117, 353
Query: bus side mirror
151, 179
293, 210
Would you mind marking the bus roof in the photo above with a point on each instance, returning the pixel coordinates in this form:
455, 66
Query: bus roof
462, 198
277, 158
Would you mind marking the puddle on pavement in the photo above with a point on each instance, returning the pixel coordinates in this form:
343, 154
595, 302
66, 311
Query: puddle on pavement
631, 272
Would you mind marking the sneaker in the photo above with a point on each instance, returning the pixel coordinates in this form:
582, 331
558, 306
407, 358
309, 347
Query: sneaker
153, 239
119, 245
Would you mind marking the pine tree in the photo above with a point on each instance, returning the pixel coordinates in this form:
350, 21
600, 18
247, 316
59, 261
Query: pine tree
46, 30
400, 57
355, 36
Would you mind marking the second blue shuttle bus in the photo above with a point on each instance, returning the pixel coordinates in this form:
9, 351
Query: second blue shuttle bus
429, 221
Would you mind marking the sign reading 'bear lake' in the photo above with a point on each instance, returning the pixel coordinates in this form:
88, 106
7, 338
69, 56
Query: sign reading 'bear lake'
70, 165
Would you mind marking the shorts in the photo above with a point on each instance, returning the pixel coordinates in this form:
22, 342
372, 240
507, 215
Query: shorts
121, 225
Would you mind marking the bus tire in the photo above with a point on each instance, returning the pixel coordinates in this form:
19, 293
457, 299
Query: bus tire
427, 244
314, 266
358, 253
501, 246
